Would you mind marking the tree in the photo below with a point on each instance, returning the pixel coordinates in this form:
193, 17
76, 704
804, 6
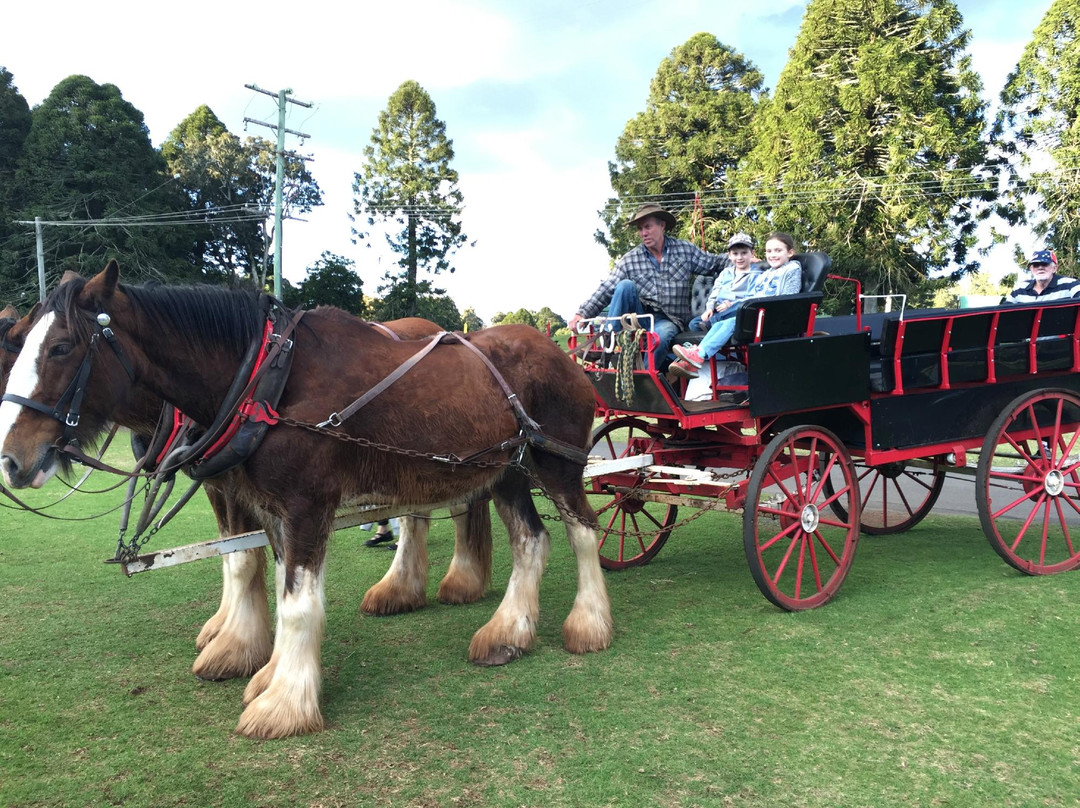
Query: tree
546, 317
88, 160
14, 127
332, 281
431, 304
1039, 115
694, 131
872, 146
470, 321
407, 181
231, 184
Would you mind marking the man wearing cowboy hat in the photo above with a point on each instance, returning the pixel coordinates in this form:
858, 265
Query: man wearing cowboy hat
653, 278
1045, 284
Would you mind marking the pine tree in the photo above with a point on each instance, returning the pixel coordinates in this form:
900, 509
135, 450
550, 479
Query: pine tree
872, 146
407, 181
1040, 118
14, 239
694, 130
88, 157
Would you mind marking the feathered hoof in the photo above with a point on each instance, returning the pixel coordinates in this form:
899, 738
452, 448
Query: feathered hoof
500, 655
456, 590
383, 600
259, 682
500, 642
211, 628
267, 718
225, 659
584, 633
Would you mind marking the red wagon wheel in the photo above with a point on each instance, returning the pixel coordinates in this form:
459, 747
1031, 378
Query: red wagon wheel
799, 551
1028, 483
632, 530
895, 496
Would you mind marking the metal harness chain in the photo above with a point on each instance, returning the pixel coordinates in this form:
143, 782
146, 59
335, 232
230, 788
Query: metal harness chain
452, 459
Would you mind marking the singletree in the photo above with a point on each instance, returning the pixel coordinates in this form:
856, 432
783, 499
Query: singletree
408, 183
694, 130
1040, 119
872, 146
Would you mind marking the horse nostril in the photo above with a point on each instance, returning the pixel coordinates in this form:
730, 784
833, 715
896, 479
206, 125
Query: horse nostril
10, 466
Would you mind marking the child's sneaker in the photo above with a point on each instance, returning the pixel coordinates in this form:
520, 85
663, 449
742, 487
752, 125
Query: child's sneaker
690, 354
684, 369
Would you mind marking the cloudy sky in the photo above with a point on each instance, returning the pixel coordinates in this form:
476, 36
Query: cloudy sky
533, 95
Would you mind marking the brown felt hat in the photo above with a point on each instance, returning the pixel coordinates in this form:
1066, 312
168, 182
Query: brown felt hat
652, 210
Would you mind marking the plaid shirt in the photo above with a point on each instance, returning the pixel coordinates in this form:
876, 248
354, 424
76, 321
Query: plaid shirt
663, 289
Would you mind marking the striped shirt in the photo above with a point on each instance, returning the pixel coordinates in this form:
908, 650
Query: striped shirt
1059, 288
664, 288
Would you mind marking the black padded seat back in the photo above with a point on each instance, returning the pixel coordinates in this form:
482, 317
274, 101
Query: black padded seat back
699, 293
785, 316
815, 268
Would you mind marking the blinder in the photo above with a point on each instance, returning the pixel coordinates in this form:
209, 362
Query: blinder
71, 399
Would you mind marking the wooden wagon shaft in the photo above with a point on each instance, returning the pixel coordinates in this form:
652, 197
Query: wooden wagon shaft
346, 518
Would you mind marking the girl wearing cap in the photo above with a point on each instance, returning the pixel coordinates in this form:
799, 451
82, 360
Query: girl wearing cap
783, 277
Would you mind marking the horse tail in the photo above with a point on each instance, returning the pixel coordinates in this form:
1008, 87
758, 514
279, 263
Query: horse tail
478, 535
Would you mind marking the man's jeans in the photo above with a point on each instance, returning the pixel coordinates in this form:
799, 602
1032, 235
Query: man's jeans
625, 300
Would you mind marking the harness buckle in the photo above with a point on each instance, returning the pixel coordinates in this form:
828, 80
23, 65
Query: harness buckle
334, 420
72, 419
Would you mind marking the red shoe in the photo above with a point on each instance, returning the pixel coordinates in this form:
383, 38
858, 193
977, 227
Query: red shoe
690, 354
684, 369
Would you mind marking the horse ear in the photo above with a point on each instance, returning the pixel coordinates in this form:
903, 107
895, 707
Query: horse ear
99, 289
69, 275
35, 310
10, 312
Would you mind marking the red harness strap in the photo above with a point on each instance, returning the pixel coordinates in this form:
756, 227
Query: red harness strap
248, 408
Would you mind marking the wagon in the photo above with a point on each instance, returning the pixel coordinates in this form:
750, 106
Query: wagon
821, 428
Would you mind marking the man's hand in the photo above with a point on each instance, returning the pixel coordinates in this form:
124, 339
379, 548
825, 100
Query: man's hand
574, 322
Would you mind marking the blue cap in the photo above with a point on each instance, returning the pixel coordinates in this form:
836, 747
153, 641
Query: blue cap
1042, 257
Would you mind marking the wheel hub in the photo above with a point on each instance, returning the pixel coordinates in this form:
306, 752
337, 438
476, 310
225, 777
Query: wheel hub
809, 518
1054, 482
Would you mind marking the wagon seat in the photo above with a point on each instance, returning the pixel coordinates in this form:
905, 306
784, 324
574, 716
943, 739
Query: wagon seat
815, 268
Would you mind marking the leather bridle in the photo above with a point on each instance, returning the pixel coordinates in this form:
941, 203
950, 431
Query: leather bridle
66, 410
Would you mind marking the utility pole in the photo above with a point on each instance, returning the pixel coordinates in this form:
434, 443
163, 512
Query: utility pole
282, 97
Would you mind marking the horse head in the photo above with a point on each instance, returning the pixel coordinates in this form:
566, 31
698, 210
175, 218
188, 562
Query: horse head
48, 402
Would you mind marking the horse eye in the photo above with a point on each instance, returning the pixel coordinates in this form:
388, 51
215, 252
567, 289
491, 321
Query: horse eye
60, 349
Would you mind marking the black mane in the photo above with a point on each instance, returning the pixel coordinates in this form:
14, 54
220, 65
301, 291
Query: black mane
193, 314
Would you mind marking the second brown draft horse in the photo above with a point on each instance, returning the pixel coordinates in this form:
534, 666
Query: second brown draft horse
186, 344
237, 640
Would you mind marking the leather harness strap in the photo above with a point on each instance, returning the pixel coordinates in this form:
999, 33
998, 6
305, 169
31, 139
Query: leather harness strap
530, 429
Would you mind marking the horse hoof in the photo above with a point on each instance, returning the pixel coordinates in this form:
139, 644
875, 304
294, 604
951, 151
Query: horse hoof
500, 655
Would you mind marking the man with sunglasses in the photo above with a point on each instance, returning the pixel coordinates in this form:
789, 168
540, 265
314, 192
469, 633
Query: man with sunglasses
1045, 285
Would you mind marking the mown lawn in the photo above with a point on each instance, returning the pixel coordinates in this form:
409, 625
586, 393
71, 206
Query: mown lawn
937, 677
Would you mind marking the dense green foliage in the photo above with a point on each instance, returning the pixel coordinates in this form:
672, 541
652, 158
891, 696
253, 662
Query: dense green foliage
408, 182
332, 281
14, 127
937, 677
693, 132
1040, 116
872, 147
232, 183
87, 162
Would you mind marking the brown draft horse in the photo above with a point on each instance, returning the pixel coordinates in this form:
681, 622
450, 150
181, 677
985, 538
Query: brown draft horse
185, 345
237, 641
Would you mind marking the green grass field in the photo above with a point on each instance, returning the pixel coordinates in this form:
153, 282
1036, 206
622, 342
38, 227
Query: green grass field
937, 677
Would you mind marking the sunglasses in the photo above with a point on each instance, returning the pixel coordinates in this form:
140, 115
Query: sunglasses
1038, 264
